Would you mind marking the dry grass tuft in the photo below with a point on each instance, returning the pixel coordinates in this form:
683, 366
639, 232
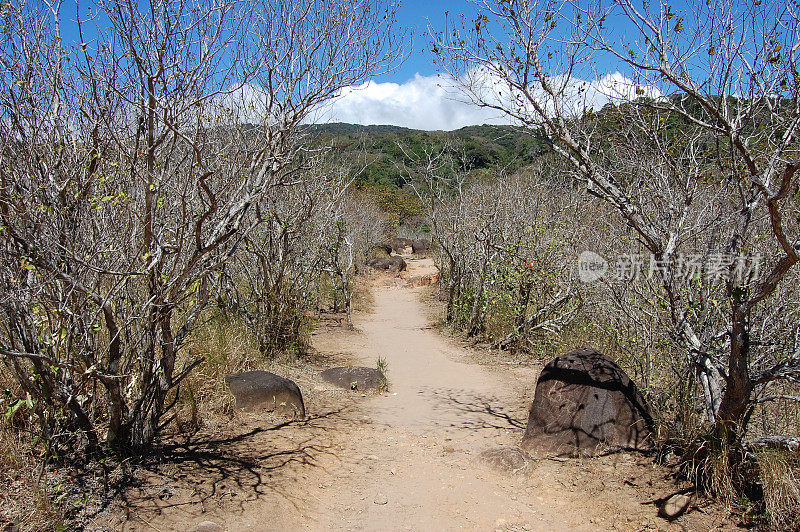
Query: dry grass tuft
25, 502
362, 299
227, 347
762, 490
780, 478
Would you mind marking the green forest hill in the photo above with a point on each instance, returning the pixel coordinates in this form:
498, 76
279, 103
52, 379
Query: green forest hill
382, 158
389, 153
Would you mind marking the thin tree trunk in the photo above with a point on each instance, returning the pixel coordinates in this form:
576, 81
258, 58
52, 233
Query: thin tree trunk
738, 387
475, 322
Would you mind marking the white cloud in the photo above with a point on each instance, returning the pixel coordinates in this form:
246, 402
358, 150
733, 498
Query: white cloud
579, 95
245, 103
435, 102
423, 102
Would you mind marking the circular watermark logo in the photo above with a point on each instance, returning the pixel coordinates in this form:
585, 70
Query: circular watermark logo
591, 267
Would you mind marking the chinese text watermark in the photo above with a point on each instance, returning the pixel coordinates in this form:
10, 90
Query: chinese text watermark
593, 267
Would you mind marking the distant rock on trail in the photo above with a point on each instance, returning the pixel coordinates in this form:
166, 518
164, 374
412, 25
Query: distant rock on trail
261, 390
584, 403
420, 246
422, 280
402, 246
392, 263
354, 378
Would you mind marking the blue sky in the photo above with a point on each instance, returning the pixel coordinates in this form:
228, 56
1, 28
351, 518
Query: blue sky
414, 15
412, 95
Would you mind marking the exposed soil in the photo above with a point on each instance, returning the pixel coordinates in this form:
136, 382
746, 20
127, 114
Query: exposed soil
408, 459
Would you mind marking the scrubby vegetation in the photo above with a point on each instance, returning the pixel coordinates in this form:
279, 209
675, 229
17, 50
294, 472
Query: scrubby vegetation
151, 192
511, 277
156, 236
696, 168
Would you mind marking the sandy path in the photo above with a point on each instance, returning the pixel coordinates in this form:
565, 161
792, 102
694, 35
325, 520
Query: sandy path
413, 463
415, 466
403, 460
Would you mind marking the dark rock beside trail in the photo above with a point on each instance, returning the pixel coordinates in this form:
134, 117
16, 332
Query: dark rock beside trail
584, 403
355, 378
420, 246
379, 250
402, 245
394, 263
261, 390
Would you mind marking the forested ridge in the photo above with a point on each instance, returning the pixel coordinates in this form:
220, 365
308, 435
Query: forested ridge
387, 152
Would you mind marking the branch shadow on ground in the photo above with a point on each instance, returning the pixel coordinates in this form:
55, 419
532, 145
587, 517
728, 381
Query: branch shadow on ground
239, 466
472, 410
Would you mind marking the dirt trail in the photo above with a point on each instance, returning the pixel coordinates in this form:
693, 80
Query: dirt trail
415, 466
403, 460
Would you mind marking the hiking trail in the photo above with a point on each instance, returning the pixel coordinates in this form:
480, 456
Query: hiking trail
407, 459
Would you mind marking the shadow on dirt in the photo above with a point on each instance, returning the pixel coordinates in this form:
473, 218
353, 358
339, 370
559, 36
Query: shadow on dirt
464, 409
242, 463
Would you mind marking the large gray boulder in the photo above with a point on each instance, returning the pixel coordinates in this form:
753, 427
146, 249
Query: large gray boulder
355, 378
584, 403
262, 390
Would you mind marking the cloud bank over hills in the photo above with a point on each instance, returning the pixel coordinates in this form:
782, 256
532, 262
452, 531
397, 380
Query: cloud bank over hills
435, 102
422, 102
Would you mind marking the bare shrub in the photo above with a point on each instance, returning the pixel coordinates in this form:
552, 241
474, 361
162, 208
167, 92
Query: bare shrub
697, 157
504, 249
140, 165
